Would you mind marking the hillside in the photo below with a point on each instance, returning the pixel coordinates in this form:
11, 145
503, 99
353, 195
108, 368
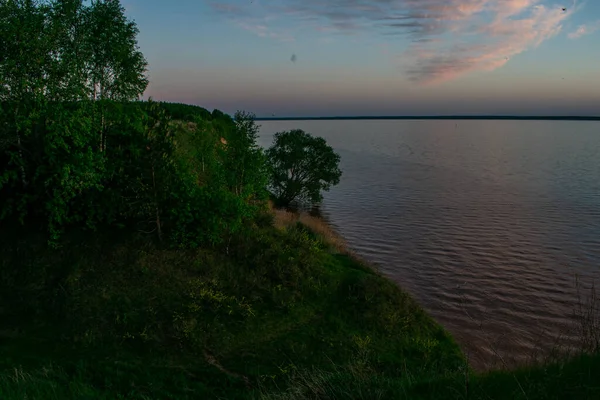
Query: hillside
122, 313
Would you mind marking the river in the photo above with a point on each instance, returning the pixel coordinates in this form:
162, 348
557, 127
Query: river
487, 224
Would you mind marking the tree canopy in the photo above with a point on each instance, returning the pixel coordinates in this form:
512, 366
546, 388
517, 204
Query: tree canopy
79, 150
301, 166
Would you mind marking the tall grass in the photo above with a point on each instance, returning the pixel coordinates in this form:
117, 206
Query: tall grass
565, 373
322, 228
187, 324
47, 383
547, 349
588, 316
580, 336
285, 219
559, 372
280, 317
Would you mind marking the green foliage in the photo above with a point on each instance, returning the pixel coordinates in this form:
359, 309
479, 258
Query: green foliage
116, 66
186, 112
70, 168
302, 166
276, 299
571, 379
244, 161
78, 150
207, 215
224, 184
116, 317
53, 138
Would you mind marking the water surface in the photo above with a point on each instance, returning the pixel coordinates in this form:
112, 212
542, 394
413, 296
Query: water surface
485, 223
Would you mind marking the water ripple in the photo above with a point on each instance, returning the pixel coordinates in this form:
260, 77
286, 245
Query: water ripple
487, 226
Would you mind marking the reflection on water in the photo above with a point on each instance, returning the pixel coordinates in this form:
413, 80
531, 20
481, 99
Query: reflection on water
486, 223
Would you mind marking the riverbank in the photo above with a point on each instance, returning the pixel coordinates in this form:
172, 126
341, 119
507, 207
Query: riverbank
131, 319
559, 374
288, 315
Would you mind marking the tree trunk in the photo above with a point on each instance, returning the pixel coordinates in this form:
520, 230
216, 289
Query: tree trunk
21, 167
102, 131
158, 228
241, 185
102, 138
20, 150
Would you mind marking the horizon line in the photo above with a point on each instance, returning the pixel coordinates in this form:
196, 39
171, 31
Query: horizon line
440, 117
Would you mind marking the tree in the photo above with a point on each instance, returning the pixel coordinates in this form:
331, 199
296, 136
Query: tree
77, 150
23, 78
55, 58
243, 158
116, 66
301, 166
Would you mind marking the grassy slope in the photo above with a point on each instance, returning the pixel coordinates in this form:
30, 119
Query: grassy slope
289, 320
576, 379
139, 321
281, 316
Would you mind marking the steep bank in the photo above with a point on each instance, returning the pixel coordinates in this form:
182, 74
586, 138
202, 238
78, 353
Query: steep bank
122, 316
150, 268
286, 315
275, 309
563, 373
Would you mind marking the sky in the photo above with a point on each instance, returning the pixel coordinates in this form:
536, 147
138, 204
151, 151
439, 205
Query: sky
292, 58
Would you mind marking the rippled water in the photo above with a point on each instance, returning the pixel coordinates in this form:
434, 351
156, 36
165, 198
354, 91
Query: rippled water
485, 223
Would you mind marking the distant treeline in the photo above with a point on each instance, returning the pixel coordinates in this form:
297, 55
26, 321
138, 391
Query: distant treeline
176, 111
442, 117
186, 112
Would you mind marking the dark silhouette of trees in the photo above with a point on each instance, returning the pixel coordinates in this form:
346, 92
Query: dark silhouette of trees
301, 167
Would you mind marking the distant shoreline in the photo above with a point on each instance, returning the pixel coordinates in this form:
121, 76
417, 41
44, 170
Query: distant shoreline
449, 117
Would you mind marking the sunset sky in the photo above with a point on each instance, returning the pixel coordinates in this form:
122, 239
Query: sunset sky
374, 57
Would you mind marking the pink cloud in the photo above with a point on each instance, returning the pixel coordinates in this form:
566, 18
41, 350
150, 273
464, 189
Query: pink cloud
504, 30
449, 38
263, 30
583, 30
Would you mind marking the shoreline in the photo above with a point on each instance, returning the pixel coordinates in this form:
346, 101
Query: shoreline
322, 226
281, 319
439, 117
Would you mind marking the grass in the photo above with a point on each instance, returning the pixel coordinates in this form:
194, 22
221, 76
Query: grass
289, 313
119, 316
576, 379
285, 219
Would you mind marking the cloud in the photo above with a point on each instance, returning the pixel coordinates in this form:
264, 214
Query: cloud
246, 17
520, 26
449, 38
228, 8
583, 30
262, 30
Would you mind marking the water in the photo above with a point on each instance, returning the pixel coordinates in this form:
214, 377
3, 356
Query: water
485, 223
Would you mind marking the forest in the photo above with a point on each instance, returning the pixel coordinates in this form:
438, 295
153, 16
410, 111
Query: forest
80, 150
